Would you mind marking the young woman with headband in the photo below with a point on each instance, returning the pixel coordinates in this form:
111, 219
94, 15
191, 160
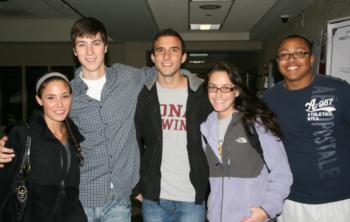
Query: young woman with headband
55, 157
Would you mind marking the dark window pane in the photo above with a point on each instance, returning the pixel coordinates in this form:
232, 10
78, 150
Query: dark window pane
32, 75
66, 70
10, 95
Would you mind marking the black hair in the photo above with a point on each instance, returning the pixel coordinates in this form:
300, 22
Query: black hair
48, 80
70, 127
294, 36
252, 108
169, 32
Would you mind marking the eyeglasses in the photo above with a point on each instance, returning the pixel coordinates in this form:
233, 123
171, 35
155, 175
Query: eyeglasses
295, 55
224, 89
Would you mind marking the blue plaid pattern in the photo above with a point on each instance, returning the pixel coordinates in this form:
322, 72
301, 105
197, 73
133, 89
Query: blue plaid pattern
110, 150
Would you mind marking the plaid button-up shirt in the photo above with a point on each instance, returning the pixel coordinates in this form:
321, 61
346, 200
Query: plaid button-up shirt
110, 150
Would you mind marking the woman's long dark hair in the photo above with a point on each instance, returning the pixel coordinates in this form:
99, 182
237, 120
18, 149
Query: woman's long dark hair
71, 128
253, 108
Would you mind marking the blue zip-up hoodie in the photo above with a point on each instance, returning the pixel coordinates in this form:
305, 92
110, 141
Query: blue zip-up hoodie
239, 179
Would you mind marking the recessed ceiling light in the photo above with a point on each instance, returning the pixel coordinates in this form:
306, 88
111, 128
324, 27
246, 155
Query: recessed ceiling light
205, 26
210, 7
211, 0
196, 61
198, 54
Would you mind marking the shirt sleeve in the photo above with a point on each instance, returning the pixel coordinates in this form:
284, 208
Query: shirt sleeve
280, 176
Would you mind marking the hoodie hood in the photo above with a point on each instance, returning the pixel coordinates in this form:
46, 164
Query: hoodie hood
194, 81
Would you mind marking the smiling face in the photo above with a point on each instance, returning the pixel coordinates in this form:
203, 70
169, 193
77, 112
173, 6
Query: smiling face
56, 99
90, 51
168, 56
297, 72
222, 102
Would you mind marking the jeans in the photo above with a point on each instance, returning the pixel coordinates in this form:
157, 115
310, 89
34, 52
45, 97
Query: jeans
114, 211
172, 211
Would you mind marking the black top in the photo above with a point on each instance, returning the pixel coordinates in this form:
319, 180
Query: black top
53, 188
149, 135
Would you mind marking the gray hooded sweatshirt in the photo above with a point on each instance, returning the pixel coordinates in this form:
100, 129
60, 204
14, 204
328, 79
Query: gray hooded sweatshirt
239, 179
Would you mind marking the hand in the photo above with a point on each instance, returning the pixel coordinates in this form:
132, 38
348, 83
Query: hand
3, 141
258, 215
6, 154
139, 197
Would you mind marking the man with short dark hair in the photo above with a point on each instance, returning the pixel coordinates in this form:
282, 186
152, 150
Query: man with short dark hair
313, 112
174, 172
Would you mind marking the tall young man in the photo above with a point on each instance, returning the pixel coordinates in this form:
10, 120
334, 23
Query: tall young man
313, 112
170, 108
104, 103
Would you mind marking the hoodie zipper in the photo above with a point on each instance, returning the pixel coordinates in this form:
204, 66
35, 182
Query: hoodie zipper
222, 191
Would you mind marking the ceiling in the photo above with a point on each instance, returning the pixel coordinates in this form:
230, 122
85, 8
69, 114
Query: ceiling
244, 23
139, 20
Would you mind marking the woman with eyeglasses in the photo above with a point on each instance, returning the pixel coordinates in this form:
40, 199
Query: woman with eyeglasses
249, 171
52, 180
